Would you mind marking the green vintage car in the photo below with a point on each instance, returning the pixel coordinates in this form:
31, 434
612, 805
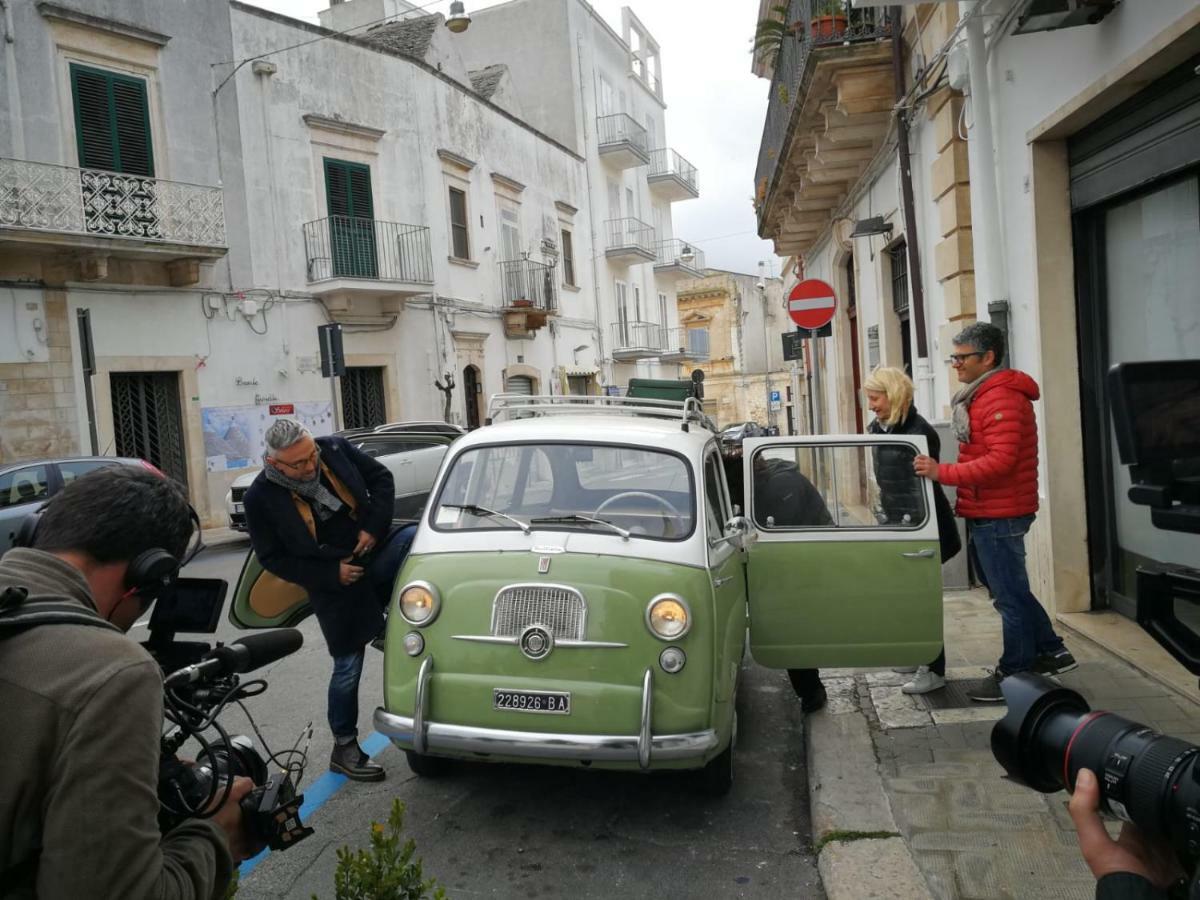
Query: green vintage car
583, 579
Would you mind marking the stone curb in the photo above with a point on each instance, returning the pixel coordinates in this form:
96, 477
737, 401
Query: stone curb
846, 795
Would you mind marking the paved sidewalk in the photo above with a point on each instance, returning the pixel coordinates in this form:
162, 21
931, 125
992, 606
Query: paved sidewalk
971, 833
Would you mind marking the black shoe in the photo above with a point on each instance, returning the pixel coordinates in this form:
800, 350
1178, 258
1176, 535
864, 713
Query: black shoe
349, 760
1055, 663
812, 700
988, 690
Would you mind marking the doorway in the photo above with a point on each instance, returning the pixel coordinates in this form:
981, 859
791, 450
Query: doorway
472, 391
148, 420
363, 403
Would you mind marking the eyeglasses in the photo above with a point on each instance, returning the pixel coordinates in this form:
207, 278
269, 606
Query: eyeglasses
299, 464
957, 359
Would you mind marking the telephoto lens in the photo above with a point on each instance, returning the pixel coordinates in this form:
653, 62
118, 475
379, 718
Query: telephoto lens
1146, 778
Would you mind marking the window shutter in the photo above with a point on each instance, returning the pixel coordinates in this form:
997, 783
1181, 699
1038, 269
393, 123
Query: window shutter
360, 192
131, 118
337, 189
93, 120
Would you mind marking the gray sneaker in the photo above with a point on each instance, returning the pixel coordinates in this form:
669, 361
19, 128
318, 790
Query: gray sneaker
1057, 663
987, 690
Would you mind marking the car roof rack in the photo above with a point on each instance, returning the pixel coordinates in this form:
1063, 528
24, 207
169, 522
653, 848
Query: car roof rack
517, 406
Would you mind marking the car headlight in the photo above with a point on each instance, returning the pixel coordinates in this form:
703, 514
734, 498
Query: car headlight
668, 617
419, 603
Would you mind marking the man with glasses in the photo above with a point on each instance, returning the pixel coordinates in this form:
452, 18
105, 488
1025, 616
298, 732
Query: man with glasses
997, 478
315, 514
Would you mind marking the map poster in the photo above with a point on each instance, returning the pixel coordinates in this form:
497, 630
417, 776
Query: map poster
233, 435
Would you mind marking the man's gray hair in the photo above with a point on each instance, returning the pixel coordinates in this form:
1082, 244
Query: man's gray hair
982, 336
282, 434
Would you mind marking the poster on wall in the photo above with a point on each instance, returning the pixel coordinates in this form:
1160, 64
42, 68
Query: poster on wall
233, 435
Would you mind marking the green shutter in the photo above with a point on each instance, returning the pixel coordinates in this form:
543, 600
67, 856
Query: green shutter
112, 122
351, 219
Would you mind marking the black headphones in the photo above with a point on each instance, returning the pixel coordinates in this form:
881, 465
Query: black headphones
148, 573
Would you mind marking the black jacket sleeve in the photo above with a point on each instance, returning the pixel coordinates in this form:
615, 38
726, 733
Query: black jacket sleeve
381, 489
1127, 886
314, 574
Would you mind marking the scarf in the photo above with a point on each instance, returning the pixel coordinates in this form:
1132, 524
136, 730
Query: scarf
961, 402
323, 500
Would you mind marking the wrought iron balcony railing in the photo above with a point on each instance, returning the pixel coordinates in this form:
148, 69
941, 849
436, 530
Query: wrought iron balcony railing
527, 284
817, 23
676, 252
632, 235
686, 343
621, 128
665, 162
349, 247
52, 198
633, 335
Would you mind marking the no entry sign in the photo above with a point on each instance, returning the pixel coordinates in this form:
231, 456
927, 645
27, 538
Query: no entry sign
811, 304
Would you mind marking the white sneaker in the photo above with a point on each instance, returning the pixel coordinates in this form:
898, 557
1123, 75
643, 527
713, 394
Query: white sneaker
924, 682
905, 670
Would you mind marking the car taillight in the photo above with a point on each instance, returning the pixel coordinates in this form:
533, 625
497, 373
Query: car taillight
153, 468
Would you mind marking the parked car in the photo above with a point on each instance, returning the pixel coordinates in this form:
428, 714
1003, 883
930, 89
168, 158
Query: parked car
24, 486
732, 436
423, 427
412, 458
581, 585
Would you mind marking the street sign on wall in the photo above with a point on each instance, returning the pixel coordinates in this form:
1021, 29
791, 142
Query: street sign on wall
793, 345
811, 304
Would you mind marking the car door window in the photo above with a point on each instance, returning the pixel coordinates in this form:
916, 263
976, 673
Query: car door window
73, 469
838, 487
714, 497
27, 485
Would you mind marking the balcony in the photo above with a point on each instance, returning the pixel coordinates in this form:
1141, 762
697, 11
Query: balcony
106, 213
629, 241
678, 259
671, 176
685, 345
528, 293
828, 113
351, 259
622, 141
636, 340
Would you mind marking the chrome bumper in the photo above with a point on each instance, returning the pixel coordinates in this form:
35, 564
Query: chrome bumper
422, 736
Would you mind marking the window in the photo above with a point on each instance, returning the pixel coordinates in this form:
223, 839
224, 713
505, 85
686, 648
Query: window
459, 236
28, 485
637, 303
662, 311
622, 311
714, 497
351, 219
510, 230
899, 257
568, 257
614, 200
112, 122
72, 470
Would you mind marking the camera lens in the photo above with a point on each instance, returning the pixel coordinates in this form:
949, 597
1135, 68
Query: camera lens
1147, 778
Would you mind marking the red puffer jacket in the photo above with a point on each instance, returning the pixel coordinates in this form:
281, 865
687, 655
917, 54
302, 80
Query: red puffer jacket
997, 470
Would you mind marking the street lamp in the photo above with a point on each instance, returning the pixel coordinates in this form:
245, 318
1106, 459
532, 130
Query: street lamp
687, 256
459, 21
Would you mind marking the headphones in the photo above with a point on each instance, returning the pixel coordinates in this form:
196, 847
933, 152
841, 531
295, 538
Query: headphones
148, 572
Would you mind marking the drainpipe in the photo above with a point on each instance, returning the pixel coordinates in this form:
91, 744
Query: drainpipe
987, 231
15, 122
587, 172
911, 241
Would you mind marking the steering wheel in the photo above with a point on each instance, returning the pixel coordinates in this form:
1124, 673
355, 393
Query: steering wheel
671, 512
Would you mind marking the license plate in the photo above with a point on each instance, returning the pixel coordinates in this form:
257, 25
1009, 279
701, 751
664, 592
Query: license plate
239, 507
553, 702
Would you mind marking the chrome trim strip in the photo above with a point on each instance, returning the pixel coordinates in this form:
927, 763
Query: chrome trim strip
419, 741
566, 642
644, 736
465, 739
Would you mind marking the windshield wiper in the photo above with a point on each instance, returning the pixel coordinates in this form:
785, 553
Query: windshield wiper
484, 511
576, 517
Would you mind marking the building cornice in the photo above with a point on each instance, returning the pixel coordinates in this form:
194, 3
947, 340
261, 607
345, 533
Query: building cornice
505, 182
455, 160
102, 23
565, 208
312, 120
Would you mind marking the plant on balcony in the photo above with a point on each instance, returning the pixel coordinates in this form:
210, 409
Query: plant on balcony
828, 19
770, 33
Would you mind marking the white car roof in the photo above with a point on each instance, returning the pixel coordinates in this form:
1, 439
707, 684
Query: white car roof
635, 431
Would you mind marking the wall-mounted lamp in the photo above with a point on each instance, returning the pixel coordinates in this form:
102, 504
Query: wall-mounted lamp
458, 21
687, 255
872, 225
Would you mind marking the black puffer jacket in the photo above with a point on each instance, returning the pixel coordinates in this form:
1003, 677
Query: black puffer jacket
900, 487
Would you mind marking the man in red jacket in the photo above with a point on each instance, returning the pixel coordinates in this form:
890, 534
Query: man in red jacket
997, 479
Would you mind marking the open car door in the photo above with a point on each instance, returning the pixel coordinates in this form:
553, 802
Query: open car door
263, 600
844, 565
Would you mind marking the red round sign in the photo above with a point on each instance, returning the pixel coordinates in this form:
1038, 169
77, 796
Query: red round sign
811, 304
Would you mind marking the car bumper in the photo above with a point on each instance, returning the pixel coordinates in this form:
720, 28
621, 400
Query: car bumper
644, 748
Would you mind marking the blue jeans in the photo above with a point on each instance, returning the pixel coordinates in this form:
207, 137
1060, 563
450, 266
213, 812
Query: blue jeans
343, 696
999, 547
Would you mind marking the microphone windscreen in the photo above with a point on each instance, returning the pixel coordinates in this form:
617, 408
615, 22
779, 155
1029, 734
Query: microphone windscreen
262, 649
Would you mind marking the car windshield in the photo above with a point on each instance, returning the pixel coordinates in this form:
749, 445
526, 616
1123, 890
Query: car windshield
569, 487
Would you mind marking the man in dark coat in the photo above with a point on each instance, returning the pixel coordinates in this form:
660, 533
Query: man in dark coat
314, 513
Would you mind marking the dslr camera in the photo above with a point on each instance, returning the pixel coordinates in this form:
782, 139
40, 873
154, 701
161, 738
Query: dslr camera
1050, 733
200, 681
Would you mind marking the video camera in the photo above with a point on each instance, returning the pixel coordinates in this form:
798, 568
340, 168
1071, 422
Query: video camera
200, 681
1049, 732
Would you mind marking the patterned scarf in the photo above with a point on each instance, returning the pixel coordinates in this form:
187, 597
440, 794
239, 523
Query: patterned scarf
961, 402
323, 500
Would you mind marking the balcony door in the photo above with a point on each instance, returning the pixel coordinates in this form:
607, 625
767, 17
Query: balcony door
351, 219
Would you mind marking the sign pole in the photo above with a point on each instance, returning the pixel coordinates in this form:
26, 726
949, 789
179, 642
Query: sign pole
795, 374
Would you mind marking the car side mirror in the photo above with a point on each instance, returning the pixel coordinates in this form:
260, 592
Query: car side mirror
737, 532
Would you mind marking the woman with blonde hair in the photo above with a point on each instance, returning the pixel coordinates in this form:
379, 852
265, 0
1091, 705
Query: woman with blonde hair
889, 394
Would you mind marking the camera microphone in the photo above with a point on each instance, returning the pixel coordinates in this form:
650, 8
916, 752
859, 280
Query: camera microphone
243, 655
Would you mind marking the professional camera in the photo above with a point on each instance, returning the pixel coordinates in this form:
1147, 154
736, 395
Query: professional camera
200, 681
1049, 732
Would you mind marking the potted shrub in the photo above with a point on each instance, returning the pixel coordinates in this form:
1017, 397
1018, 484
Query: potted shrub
770, 33
828, 20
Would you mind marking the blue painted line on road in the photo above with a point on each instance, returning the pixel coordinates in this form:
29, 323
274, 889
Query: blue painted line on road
317, 793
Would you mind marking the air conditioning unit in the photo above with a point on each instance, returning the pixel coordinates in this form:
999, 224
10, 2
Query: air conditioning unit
1048, 15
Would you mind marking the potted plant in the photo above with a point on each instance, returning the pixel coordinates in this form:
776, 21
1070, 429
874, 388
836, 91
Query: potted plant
828, 20
770, 33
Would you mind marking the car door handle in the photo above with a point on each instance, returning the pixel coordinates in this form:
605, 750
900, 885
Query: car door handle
717, 582
918, 554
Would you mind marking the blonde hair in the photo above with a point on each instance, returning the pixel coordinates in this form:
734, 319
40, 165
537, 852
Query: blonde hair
899, 390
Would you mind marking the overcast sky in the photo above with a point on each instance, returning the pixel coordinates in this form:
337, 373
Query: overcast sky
715, 111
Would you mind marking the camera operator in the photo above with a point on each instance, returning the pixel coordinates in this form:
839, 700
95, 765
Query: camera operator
83, 707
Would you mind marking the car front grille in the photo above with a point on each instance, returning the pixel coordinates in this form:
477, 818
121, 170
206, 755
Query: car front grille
561, 610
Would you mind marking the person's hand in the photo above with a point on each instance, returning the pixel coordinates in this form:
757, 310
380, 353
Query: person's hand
349, 573
926, 467
1132, 852
365, 543
229, 819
